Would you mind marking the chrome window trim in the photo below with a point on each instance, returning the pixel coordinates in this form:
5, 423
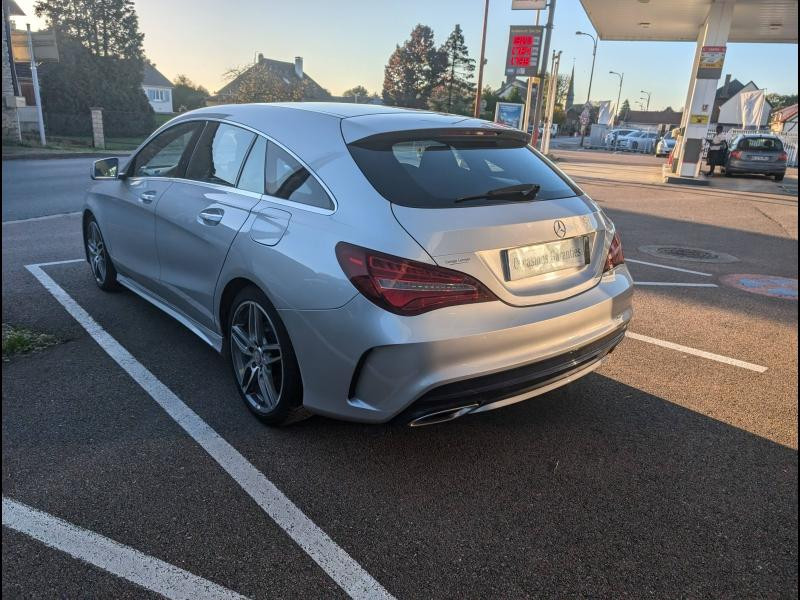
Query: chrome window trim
288, 203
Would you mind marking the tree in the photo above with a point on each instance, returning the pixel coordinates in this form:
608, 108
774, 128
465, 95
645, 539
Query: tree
186, 95
359, 93
489, 96
778, 101
454, 94
626, 108
106, 28
515, 96
414, 70
101, 64
255, 84
562, 85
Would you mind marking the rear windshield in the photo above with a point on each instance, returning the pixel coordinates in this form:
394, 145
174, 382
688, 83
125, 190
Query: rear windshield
768, 144
434, 171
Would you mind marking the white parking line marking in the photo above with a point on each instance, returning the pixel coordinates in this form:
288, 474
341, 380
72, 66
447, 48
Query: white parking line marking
675, 284
118, 559
695, 352
345, 571
650, 264
44, 218
59, 262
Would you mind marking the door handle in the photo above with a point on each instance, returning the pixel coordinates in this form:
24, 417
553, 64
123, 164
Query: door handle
147, 197
210, 216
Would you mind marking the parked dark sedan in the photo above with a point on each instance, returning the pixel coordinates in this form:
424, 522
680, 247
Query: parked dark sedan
757, 153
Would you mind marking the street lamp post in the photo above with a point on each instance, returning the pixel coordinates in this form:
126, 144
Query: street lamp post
591, 76
619, 94
648, 99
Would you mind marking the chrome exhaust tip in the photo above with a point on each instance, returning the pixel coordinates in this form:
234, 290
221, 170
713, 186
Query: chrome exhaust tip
442, 416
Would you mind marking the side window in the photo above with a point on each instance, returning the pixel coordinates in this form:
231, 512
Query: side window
219, 154
288, 179
252, 177
162, 156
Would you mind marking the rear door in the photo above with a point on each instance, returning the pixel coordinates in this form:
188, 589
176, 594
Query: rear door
130, 222
200, 216
526, 250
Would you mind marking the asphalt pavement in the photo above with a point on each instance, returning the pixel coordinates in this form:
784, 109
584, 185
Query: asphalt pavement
42, 187
666, 473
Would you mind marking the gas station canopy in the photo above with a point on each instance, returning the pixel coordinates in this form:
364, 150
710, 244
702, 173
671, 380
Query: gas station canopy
681, 20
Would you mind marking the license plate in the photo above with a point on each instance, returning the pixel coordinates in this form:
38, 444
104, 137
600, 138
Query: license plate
527, 261
761, 158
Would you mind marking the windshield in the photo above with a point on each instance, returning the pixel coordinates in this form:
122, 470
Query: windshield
434, 171
765, 143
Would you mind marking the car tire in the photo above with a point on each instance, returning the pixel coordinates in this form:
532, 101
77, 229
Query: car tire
262, 360
105, 275
779, 177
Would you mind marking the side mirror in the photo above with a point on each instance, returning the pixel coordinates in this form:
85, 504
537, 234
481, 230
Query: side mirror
105, 168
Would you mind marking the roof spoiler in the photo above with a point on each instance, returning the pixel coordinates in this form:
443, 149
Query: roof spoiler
496, 132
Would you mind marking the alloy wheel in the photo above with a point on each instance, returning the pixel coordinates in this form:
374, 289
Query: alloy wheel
97, 256
257, 356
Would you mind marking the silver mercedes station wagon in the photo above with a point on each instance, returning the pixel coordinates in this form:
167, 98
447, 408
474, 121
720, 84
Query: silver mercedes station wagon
364, 262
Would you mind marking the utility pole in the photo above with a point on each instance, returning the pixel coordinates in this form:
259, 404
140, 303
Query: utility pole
529, 93
477, 112
619, 93
591, 77
543, 71
36, 95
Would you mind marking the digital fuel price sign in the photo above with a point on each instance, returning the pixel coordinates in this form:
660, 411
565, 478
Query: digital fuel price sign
524, 47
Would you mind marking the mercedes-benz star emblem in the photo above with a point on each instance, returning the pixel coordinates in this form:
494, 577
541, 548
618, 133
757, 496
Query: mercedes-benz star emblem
560, 228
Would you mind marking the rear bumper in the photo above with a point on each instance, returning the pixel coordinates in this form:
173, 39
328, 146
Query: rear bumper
753, 166
365, 364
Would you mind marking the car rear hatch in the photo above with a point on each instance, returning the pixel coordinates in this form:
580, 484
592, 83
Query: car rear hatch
764, 150
536, 240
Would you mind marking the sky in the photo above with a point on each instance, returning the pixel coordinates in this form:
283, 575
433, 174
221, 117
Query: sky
348, 42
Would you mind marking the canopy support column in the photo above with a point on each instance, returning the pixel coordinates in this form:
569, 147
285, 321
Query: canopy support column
702, 89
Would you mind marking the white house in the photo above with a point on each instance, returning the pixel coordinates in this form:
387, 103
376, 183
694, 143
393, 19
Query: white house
730, 112
158, 89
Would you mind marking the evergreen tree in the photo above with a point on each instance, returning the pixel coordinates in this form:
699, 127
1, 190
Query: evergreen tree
413, 71
454, 94
101, 64
626, 108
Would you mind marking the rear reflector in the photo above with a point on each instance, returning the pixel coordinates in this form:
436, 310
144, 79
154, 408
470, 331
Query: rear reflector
736, 154
407, 287
615, 256
783, 156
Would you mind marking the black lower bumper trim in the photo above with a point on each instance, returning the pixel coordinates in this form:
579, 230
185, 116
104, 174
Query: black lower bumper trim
488, 389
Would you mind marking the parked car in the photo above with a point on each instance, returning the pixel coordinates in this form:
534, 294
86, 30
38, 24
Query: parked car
644, 142
757, 154
665, 145
363, 262
620, 133
626, 142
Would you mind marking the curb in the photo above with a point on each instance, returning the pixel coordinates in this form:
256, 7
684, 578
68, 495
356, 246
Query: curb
46, 155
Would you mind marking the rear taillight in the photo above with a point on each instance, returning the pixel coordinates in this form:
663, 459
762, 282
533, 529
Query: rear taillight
783, 156
736, 154
615, 256
407, 287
